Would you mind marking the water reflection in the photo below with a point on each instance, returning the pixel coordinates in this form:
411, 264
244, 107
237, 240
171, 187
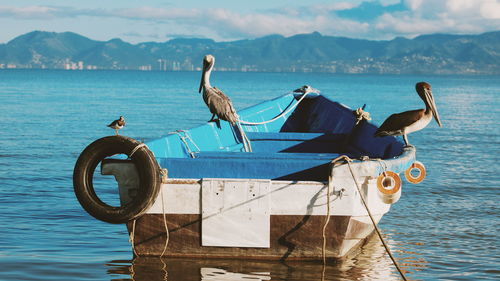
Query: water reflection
369, 263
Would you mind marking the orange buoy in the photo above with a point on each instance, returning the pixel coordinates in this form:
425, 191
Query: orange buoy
418, 166
389, 187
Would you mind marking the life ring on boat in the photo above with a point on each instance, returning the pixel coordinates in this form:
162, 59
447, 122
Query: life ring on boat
147, 168
389, 187
419, 166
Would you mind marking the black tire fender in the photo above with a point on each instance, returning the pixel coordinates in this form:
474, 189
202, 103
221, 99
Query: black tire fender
147, 168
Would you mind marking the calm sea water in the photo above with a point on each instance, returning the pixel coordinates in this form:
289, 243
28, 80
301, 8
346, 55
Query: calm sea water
445, 228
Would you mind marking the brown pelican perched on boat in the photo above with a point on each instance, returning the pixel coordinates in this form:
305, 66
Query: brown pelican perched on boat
410, 121
218, 103
117, 124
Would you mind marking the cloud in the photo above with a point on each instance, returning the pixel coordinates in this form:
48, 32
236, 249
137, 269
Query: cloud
491, 10
28, 12
447, 16
154, 13
140, 35
372, 19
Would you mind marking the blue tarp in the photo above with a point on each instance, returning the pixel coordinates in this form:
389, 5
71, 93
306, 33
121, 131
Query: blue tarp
297, 146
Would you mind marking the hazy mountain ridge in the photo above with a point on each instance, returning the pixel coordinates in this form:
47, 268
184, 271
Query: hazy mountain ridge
435, 53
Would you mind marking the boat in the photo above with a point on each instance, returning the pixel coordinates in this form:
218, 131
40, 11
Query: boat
314, 185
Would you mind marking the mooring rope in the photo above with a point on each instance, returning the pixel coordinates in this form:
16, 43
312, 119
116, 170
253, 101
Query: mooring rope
131, 238
164, 223
349, 160
277, 117
361, 115
246, 141
327, 219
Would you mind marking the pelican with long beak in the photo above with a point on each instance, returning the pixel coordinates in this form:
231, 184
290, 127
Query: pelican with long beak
411, 121
218, 103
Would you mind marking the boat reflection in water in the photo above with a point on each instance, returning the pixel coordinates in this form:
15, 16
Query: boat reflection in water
371, 262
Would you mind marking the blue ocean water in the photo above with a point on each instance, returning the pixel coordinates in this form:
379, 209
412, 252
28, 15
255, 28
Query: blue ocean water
445, 228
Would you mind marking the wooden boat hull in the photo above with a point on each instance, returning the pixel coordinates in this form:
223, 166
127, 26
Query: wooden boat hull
292, 238
295, 226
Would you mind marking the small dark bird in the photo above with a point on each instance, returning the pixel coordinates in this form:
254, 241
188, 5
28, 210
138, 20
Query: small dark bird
410, 121
117, 124
218, 103
306, 89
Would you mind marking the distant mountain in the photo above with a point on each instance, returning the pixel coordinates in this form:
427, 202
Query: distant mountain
432, 54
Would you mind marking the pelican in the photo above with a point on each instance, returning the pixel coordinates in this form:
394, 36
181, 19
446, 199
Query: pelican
117, 124
218, 103
306, 89
410, 121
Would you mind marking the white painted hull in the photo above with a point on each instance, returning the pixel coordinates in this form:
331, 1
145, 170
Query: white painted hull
289, 202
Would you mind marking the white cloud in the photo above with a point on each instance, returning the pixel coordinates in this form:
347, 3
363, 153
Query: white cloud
28, 12
414, 4
337, 6
420, 17
447, 16
491, 10
154, 13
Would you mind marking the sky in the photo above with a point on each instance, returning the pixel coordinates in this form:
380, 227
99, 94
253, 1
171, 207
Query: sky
225, 20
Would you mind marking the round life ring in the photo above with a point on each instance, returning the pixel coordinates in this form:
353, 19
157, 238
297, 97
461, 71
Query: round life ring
419, 166
147, 168
388, 182
389, 187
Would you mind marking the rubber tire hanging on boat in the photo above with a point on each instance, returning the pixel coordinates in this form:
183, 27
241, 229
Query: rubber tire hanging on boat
147, 168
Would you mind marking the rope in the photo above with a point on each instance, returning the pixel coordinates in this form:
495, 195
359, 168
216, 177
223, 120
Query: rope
164, 268
348, 160
189, 138
135, 149
164, 175
164, 223
131, 238
383, 165
277, 117
327, 219
183, 139
361, 115
246, 141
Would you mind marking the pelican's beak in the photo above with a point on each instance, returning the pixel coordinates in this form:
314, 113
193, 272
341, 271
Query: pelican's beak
202, 76
432, 105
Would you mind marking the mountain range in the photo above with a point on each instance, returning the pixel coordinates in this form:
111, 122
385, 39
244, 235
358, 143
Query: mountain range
430, 54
